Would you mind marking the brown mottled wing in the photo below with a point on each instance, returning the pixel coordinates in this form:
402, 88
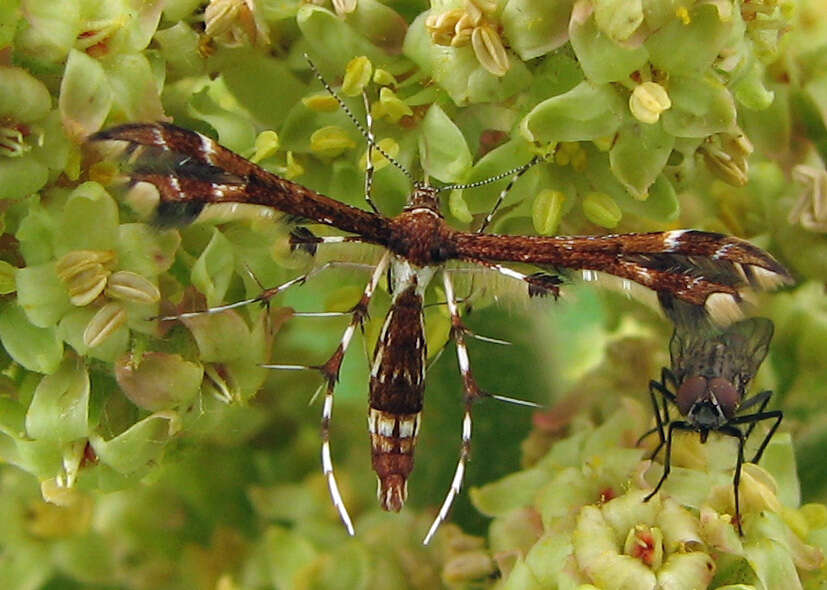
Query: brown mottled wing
191, 170
690, 265
734, 354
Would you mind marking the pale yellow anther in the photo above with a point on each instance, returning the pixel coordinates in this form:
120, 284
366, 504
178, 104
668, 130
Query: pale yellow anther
489, 49
103, 324
130, 286
648, 101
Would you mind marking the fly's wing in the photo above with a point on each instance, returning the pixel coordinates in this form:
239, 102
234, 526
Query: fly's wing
734, 354
692, 349
746, 344
191, 170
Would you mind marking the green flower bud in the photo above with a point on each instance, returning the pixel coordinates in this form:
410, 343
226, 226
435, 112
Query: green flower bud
601, 209
357, 76
330, 141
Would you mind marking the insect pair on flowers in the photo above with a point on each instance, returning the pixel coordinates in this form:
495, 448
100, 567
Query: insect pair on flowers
705, 270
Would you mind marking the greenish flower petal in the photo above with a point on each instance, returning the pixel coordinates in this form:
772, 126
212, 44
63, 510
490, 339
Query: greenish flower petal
52, 29
158, 381
85, 96
9, 18
700, 107
638, 156
42, 295
133, 87
513, 491
23, 98
138, 446
59, 410
334, 40
536, 28
603, 59
20, 177
220, 337
89, 220
179, 47
618, 19
585, 112
37, 349
145, 250
267, 87
214, 269
442, 148
680, 47
234, 130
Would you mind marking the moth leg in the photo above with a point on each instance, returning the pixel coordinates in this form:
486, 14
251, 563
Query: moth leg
503, 193
472, 394
265, 295
330, 371
369, 167
539, 284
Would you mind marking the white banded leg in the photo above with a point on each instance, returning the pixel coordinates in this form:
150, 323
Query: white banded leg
539, 283
522, 170
472, 394
267, 294
330, 370
369, 168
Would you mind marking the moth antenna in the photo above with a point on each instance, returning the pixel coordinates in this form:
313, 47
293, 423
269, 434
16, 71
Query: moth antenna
282, 367
356, 122
515, 174
369, 167
516, 401
472, 394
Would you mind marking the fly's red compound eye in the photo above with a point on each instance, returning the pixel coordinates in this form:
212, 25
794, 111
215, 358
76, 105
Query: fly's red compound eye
690, 391
726, 394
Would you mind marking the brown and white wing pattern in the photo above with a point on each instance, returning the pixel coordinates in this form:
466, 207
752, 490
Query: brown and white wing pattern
191, 170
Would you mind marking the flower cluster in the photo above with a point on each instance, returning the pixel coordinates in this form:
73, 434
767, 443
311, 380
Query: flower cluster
144, 453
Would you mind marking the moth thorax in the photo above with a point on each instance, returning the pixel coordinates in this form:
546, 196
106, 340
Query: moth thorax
393, 440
